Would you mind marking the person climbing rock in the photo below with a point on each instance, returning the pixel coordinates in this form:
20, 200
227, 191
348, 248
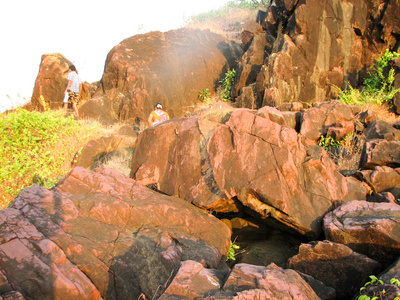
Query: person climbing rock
157, 115
74, 87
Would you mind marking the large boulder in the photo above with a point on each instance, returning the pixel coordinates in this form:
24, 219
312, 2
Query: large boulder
171, 68
369, 228
336, 265
248, 160
51, 81
99, 233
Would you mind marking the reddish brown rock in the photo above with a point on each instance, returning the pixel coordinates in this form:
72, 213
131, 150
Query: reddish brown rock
383, 197
380, 153
269, 282
245, 281
194, 281
250, 28
265, 166
51, 81
250, 64
97, 149
171, 68
308, 58
99, 233
316, 121
382, 179
380, 129
368, 228
336, 265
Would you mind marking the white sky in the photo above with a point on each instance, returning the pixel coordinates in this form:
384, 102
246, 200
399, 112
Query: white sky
84, 31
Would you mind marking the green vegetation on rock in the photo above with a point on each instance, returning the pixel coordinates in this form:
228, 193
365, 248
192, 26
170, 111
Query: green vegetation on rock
377, 87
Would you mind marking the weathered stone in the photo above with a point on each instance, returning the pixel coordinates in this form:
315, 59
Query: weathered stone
276, 283
299, 66
336, 265
170, 67
357, 190
380, 153
264, 166
369, 228
380, 129
323, 292
193, 281
51, 82
317, 121
100, 233
246, 98
382, 179
96, 149
251, 63
250, 28
382, 197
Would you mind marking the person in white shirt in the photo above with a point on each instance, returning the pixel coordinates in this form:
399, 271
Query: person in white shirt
74, 87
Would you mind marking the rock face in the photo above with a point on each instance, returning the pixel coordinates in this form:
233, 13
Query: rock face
368, 228
248, 159
171, 68
100, 234
51, 82
303, 58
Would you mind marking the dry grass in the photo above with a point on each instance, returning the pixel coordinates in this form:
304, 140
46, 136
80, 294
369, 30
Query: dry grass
383, 112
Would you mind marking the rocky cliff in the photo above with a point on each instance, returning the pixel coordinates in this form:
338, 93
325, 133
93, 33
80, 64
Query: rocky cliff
308, 48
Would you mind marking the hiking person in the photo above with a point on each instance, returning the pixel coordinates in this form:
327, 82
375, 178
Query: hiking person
157, 115
74, 87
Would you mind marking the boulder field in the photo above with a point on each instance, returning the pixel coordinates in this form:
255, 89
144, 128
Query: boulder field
306, 231
252, 174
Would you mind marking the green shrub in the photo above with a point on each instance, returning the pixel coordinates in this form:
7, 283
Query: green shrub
36, 148
204, 95
232, 251
226, 85
381, 290
377, 88
328, 143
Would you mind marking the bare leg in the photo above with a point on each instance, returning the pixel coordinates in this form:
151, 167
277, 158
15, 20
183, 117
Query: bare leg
75, 109
65, 106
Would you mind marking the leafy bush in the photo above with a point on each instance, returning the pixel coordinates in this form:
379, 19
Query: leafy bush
36, 148
378, 87
204, 95
328, 143
232, 251
226, 85
377, 289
